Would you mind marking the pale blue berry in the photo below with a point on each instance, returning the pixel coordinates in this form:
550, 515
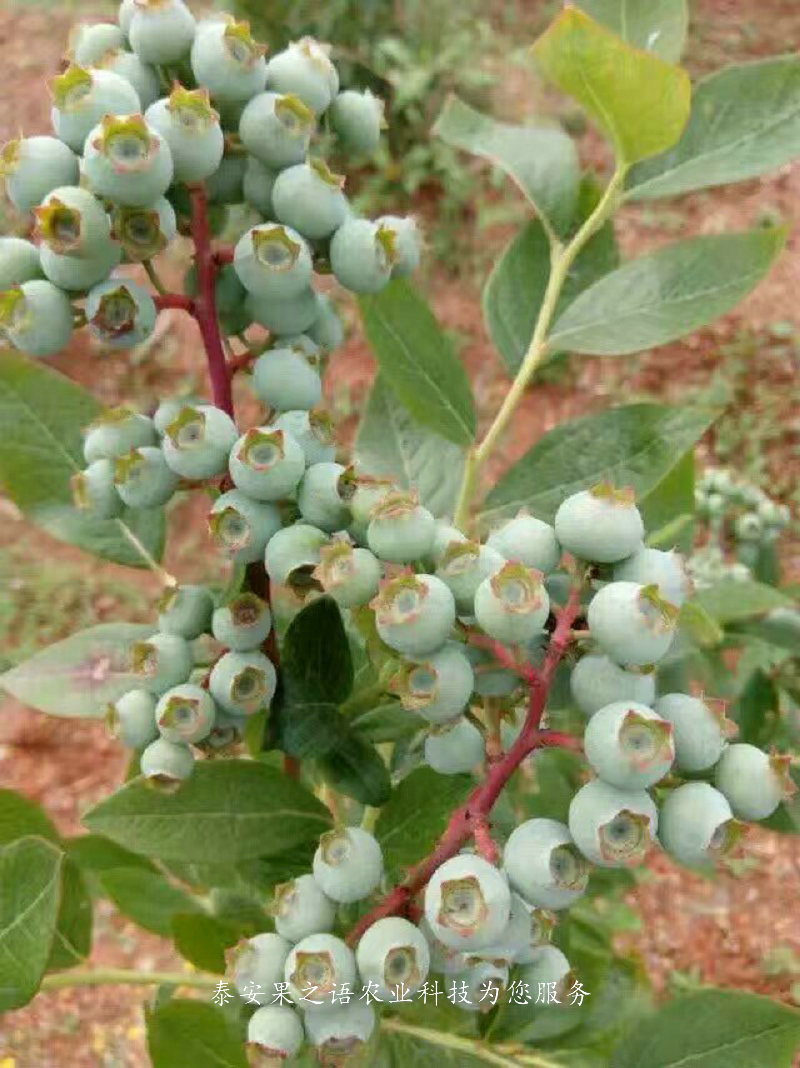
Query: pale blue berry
90, 42
144, 231
132, 719
276, 129
304, 69
313, 432
258, 963
82, 97
543, 864
414, 614
455, 747
143, 479
241, 527
317, 966
327, 330
71, 221
243, 623
167, 764
282, 316
120, 313
407, 249
185, 610
19, 262
161, 31
484, 982
351, 576
444, 537
393, 954
401, 530
467, 902
257, 185
293, 553
529, 541
512, 604
548, 966
273, 262
287, 376
275, 1032
243, 683
369, 493
36, 317
631, 623
357, 119
754, 782
226, 184
33, 166
348, 864
190, 126
309, 197
439, 687
170, 409
696, 825
323, 496
185, 713
198, 441
141, 75
652, 567
596, 681
161, 662
116, 432
629, 745
340, 1031
300, 908
700, 729
227, 61
127, 160
601, 524
612, 828
77, 273
93, 490
362, 255
266, 464
463, 566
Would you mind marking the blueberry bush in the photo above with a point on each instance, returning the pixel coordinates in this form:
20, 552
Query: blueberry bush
388, 781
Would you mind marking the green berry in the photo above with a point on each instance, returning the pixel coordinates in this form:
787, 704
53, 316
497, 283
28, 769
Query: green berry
340, 1031
463, 566
754, 782
323, 496
512, 604
357, 119
313, 432
596, 681
455, 747
444, 537
293, 553
127, 161
143, 479
631, 623
36, 317
485, 982
81, 98
438, 687
393, 954
257, 185
116, 432
543, 865
309, 197
414, 614
349, 575
467, 902
548, 966
161, 31
132, 719
242, 624
275, 1032
400, 530
71, 221
241, 527
198, 441
120, 313
19, 262
407, 252
348, 864
76, 273
363, 255
243, 683
227, 61
93, 490
327, 330
292, 315
190, 126
273, 262
143, 232
696, 825
666, 570
125, 14
317, 966
225, 186
90, 42
528, 541
276, 129
167, 764
629, 745
601, 524
140, 75
613, 828
369, 492
161, 662
700, 729
185, 610
170, 409
287, 377
300, 909
304, 69
33, 166
266, 464
185, 713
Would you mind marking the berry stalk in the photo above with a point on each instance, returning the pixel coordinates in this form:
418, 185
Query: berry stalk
205, 311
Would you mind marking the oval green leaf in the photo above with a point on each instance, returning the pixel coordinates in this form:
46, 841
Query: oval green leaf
657, 26
184, 1032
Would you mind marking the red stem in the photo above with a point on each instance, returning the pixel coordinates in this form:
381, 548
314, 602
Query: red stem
205, 311
174, 300
223, 256
475, 811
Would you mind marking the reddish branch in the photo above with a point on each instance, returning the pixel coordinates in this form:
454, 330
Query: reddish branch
205, 311
174, 300
471, 819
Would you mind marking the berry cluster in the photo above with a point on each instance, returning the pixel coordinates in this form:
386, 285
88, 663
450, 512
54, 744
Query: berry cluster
111, 186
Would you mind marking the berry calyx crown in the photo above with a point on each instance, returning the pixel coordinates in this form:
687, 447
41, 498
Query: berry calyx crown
325, 174
72, 87
116, 313
274, 249
397, 504
520, 588
623, 497
192, 107
12, 306
241, 45
294, 115
127, 142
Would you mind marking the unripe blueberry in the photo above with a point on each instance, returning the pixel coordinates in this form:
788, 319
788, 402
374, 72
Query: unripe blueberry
243, 683
116, 432
407, 243
287, 377
229, 294
313, 432
526, 930
258, 963
467, 902
700, 729
444, 959
93, 490
310, 198
368, 495
696, 825
126, 160
225, 186
748, 527
225, 735
143, 232
167, 764
512, 605
400, 530
71, 221
198, 441
273, 262
444, 537
323, 495
170, 409
185, 713
363, 255
120, 313
161, 662
463, 566
293, 553
305, 70
537, 933
277, 129
132, 719
36, 317
266, 464
241, 527
438, 687
543, 865
257, 185
613, 828
140, 75
666, 570
351, 576
300, 909
282, 316
629, 745
393, 953
485, 982
190, 126
243, 623
529, 541
596, 681
125, 14
227, 61
327, 330
275, 1032
340, 1031
143, 479
631, 623
414, 614
317, 966
89, 42
549, 965
80, 100
33, 166
77, 273
161, 31
185, 610
455, 747
348, 864
601, 524
754, 782
357, 119
19, 262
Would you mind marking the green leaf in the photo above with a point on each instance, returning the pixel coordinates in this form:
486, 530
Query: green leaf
699, 625
41, 449
316, 656
203, 940
637, 445
94, 855
30, 880
416, 815
541, 160
756, 711
745, 121
780, 628
515, 289
657, 26
402, 1044
21, 818
418, 361
671, 500
145, 897
184, 1032
392, 444
354, 767
231, 810
666, 294
729, 601
640, 101
80, 675
387, 723
713, 1029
